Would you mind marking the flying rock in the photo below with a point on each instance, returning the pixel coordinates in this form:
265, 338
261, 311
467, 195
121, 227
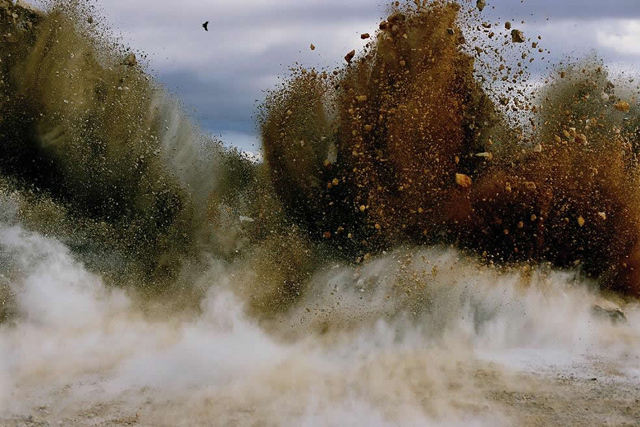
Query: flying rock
130, 60
517, 36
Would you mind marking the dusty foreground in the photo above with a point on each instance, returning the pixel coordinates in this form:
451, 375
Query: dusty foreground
592, 393
416, 337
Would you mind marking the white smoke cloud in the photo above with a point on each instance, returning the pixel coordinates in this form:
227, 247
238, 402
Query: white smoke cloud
622, 37
366, 345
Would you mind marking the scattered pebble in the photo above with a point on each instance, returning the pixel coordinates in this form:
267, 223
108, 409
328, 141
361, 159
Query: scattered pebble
517, 36
463, 180
622, 106
349, 56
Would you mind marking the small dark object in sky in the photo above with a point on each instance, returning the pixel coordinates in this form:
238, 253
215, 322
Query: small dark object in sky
206, 26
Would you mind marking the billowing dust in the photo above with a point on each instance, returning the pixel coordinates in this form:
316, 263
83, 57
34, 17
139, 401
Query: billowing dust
431, 240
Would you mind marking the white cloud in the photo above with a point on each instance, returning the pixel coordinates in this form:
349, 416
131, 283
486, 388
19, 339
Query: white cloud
624, 37
247, 142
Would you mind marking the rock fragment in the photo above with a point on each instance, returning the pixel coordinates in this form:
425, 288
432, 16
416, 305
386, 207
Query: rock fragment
581, 138
481, 4
486, 155
517, 36
463, 180
365, 36
622, 106
349, 56
130, 60
396, 17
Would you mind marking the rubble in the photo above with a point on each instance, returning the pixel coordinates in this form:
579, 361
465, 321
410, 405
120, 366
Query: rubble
622, 106
517, 36
463, 180
581, 138
349, 56
130, 60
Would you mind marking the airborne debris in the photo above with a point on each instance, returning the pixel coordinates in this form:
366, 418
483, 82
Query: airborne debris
406, 117
312, 47
206, 26
581, 138
486, 155
365, 36
396, 17
349, 56
517, 36
481, 4
130, 60
463, 180
622, 106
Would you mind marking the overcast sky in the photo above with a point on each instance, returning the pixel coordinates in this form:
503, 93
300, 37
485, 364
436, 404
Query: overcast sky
220, 75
